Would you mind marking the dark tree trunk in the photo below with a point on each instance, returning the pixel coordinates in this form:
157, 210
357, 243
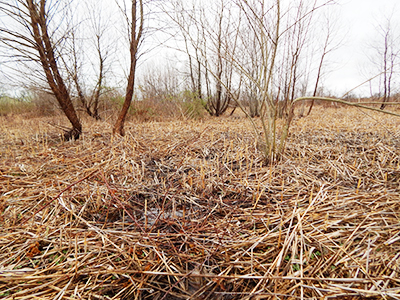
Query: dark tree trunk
136, 35
38, 17
119, 124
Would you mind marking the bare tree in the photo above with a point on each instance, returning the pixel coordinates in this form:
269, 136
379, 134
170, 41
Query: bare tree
330, 44
161, 83
383, 53
294, 42
135, 27
249, 55
265, 22
274, 34
258, 46
388, 52
80, 58
32, 40
208, 31
191, 33
218, 103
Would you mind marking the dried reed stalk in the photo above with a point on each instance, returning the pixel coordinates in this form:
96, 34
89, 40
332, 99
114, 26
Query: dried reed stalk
186, 210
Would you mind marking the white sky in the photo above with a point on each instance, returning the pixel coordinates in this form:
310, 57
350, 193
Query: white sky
360, 18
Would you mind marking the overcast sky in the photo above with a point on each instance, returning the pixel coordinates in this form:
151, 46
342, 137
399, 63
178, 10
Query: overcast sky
360, 19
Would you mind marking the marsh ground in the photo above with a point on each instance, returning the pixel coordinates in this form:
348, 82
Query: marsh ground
187, 210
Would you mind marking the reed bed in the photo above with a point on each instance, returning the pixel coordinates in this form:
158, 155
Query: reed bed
188, 210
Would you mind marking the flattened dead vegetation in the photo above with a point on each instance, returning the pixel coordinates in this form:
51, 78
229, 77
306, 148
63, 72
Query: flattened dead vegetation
187, 210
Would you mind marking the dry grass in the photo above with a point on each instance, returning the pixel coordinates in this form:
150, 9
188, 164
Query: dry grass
186, 210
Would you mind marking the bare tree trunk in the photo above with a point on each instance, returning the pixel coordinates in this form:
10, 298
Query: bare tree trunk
218, 104
317, 81
192, 79
199, 86
385, 72
327, 48
136, 35
94, 102
119, 124
39, 22
91, 106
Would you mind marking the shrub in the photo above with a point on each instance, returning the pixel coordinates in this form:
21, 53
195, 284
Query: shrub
10, 105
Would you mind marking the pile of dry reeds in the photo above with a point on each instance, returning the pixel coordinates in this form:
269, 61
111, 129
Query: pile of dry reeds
187, 210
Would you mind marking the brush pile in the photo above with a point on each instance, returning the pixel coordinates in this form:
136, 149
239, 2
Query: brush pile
188, 210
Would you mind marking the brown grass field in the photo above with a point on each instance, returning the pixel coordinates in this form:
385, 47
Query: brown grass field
187, 210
